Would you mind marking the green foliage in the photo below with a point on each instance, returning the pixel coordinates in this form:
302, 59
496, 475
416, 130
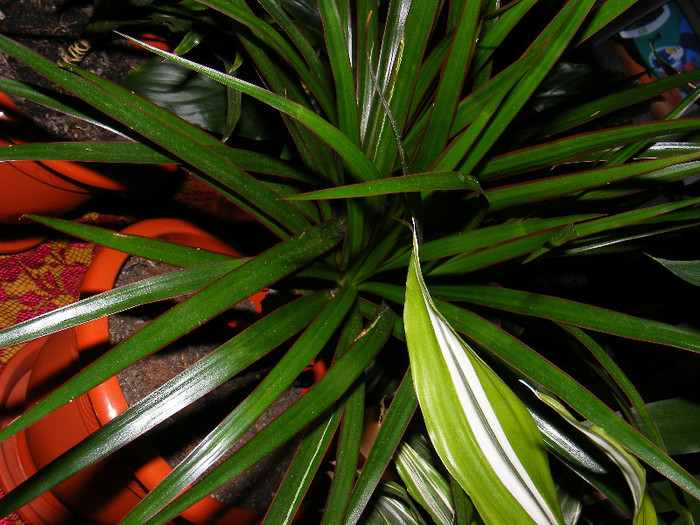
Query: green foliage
438, 114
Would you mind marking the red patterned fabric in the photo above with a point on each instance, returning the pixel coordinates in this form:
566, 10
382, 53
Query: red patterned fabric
35, 282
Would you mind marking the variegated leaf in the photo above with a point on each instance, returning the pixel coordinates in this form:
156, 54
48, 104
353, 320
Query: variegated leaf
632, 470
481, 430
423, 482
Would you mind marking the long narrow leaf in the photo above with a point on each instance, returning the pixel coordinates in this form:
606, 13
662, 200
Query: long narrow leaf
49, 100
409, 183
347, 458
576, 146
127, 152
311, 405
339, 53
480, 238
423, 481
490, 41
544, 373
573, 313
568, 184
454, 71
154, 249
302, 470
399, 62
605, 105
272, 38
164, 128
113, 301
393, 426
549, 45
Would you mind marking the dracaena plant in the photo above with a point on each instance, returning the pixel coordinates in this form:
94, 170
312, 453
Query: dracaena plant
419, 203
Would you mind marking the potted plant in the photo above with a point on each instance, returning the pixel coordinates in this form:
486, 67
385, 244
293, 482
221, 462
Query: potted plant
444, 245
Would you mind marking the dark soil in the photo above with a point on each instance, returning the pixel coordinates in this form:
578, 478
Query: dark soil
178, 435
51, 27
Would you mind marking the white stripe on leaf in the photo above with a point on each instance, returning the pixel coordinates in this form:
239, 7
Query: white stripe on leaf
631, 469
465, 376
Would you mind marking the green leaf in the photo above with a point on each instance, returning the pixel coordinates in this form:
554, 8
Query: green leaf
127, 152
484, 111
571, 148
392, 428
632, 470
49, 100
449, 89
689, 271
678, 421
193, 97
287, 369
491, 40
117, 300
473, 240
481, 430
606, 224
605, 14
168, 131
414, 463
578, 115
403, 45
301, 472
347, 457
529, 192
628, 393
153, 249
521, 357
573, 313
492, 255
548, 46
310, 406
314, 78
391, 504
339, 46
581, 455
408, 183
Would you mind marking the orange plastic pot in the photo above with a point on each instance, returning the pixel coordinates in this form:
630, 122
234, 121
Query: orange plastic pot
107, 491
50, 187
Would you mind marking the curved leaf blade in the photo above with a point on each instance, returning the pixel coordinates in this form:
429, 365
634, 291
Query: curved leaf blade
409, 183
113, 301
474, 420
356, 159
573, 313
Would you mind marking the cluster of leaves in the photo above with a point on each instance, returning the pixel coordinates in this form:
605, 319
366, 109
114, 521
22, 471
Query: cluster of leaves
397, 115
